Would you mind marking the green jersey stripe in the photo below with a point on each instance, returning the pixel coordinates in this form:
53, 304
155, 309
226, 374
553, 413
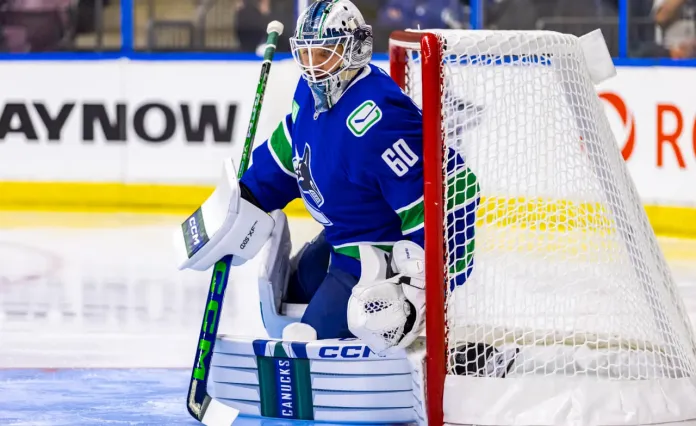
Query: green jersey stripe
462, 188
404, 208
414, 229
280, 147
461, 264
286, 132
412, 216
352, 250
278, 162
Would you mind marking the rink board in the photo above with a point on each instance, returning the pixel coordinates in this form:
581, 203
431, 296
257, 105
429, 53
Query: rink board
334, 380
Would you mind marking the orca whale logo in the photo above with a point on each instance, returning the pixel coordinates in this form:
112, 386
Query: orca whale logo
310, 190
303, 171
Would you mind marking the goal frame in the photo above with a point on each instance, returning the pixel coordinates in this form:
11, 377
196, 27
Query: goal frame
627, 215
430, 47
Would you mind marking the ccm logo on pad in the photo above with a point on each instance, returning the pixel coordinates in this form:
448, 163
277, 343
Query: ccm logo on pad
345, 352
193, 227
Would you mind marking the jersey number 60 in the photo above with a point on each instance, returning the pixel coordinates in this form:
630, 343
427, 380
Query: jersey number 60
399, 157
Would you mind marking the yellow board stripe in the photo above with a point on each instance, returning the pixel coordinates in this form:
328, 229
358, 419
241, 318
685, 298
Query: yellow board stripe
183, 199
110, 197
564, 215
543, 214
672, 220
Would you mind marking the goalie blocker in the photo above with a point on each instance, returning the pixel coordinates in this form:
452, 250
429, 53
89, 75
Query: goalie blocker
225, 224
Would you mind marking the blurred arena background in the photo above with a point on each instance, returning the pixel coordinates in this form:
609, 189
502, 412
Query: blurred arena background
635, 28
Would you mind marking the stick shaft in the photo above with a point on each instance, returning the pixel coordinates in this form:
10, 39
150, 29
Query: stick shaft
258, 101
198, 398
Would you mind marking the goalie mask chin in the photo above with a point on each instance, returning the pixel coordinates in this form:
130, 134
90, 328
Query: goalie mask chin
386, 309
331, 44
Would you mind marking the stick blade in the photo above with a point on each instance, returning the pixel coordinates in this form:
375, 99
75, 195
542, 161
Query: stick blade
219, 414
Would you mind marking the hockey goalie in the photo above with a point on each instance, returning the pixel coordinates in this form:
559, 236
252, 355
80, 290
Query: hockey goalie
566, 315
351, 148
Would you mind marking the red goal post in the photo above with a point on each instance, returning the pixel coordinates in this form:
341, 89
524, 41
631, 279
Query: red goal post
430, 47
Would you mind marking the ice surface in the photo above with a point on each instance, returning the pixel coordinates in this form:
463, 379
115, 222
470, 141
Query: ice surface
98, 327
94, 396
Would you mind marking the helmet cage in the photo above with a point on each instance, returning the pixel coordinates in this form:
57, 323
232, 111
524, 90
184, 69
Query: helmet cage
313, 55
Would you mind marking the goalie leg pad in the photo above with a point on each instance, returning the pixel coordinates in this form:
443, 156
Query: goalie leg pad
347, 382
274, 270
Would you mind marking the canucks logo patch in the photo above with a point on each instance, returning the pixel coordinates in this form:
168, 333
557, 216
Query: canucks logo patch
308, 186
363, 118
295, 110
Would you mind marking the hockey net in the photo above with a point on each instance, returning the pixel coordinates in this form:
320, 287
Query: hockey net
566, 268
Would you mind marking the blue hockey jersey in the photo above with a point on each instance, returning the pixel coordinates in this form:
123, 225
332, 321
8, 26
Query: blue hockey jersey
358, 168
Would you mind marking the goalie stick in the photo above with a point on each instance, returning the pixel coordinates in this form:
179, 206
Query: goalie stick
199, 403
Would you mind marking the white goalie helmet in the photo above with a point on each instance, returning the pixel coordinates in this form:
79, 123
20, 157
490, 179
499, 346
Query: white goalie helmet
331, 44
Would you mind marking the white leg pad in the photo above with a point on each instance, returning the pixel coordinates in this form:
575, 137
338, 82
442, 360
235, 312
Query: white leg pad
415, 354
274, 271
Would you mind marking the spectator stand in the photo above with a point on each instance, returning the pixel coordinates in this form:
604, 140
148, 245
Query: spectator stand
201, 30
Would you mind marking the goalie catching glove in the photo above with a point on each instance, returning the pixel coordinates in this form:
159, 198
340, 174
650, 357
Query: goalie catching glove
386, 309
225, 223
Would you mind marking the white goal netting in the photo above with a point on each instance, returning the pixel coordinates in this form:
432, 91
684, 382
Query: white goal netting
566, 268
